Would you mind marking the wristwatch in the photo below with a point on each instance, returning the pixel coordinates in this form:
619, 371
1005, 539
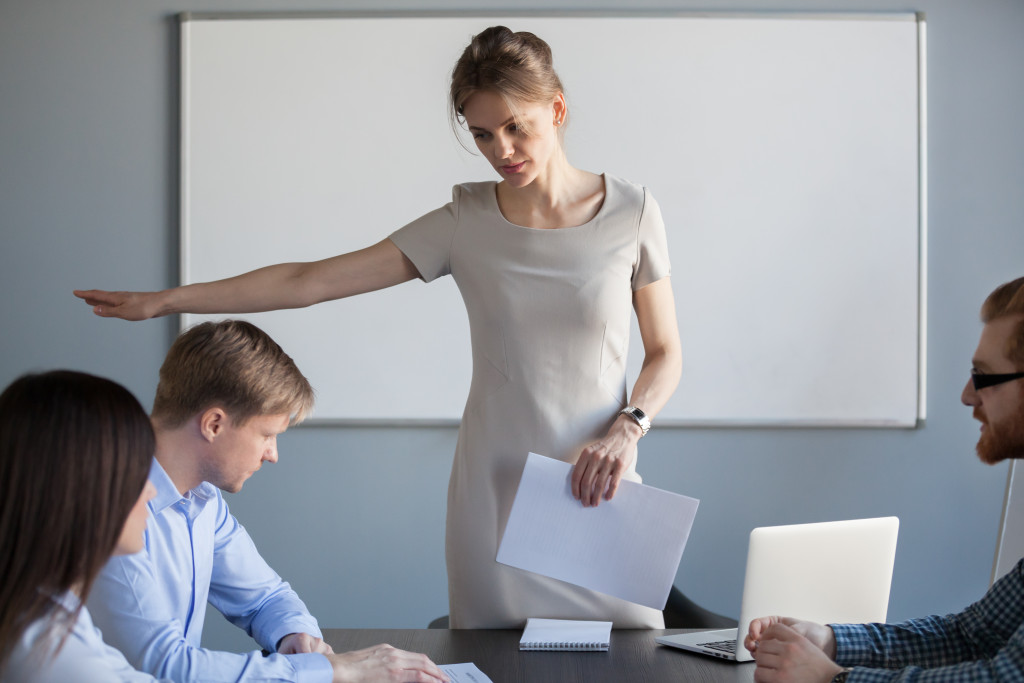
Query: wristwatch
638, 416
841, 676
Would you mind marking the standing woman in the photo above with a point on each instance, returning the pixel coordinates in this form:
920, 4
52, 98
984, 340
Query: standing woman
75, 452
550, 261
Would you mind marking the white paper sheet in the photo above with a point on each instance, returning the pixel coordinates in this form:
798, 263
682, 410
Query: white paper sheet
464, 673
628, 547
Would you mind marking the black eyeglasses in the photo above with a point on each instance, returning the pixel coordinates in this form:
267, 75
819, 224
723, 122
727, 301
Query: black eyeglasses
982, 380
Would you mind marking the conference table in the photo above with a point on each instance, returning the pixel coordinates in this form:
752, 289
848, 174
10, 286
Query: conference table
633, 656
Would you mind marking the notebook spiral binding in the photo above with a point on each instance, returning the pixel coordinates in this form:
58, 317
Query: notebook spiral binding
563, 646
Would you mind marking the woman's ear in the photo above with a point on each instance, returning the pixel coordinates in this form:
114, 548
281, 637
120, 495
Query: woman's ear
559, 109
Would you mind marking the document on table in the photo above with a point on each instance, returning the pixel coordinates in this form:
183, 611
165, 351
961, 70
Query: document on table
464, 673
628, 547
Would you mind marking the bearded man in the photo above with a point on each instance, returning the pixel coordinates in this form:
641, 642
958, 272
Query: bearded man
985, 642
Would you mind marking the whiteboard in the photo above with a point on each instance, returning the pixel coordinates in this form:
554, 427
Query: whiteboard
1010, 546
786, 152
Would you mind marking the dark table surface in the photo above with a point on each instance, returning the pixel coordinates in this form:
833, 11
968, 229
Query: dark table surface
633, 656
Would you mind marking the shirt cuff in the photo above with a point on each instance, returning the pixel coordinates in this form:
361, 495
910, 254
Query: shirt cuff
311, 667
852, 645
288, 627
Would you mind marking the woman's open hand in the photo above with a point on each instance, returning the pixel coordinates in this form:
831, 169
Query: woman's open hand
124, 305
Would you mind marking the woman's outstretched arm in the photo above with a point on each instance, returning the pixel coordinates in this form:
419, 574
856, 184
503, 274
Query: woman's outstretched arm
285, 285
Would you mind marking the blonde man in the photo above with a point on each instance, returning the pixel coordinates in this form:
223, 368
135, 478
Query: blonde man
226, 391
985, 642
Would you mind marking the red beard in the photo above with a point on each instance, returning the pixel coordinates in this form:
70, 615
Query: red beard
1003, 441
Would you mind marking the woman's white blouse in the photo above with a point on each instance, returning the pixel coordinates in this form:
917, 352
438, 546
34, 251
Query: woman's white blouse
83, 658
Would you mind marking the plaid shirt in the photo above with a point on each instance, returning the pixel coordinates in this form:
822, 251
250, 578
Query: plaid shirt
985, 642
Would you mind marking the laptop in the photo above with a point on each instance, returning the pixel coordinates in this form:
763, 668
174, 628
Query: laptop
829, 572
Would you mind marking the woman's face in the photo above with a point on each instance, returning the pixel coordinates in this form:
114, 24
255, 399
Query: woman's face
131, 540
517, 157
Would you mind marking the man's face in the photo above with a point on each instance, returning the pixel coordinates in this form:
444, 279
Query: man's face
240, 450
999, 408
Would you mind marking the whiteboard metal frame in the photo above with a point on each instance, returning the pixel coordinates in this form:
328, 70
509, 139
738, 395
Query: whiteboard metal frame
894, 15
922, 174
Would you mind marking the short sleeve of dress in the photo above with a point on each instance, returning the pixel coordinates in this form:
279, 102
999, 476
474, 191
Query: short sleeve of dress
652, 261
427, 241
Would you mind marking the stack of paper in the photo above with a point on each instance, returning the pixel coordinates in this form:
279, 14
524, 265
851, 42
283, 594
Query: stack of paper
628, 547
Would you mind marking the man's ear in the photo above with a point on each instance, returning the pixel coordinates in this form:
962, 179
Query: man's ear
212, 423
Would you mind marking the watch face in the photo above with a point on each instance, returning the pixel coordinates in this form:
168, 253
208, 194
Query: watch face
638, 416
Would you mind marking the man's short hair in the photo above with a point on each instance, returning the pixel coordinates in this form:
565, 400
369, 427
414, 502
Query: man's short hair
234, 365
1006, 300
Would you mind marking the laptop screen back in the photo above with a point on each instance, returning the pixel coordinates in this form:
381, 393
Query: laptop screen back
828, 572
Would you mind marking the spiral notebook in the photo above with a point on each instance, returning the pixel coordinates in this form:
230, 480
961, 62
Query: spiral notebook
566, 634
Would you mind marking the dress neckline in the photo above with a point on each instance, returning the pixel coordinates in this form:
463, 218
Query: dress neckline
593, 219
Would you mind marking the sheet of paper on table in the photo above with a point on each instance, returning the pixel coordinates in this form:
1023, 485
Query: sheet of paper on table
464, 673
628, 547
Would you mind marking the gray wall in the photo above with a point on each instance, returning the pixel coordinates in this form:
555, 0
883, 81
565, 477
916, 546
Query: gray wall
354, 517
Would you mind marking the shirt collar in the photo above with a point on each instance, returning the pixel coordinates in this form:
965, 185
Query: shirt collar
167, 493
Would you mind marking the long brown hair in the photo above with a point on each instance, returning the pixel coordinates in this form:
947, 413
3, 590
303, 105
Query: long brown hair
75, 452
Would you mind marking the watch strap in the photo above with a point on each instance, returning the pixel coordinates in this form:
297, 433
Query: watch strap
841, 676
638, 416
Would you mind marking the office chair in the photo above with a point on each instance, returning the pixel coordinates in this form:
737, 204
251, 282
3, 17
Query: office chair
680, 612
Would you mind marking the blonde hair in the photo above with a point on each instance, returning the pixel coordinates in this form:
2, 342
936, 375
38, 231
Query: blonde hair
234, 365
1008, 299
516, 66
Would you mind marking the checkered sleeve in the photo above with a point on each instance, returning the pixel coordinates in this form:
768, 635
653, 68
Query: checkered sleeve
983, 643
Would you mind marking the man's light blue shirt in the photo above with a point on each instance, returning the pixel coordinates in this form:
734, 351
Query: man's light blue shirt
152, 605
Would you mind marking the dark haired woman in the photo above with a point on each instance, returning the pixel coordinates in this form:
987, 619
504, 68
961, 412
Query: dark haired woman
551, 261
75, 452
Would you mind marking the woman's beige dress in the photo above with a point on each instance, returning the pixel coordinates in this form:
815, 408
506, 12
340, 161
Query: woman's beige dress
549, 316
